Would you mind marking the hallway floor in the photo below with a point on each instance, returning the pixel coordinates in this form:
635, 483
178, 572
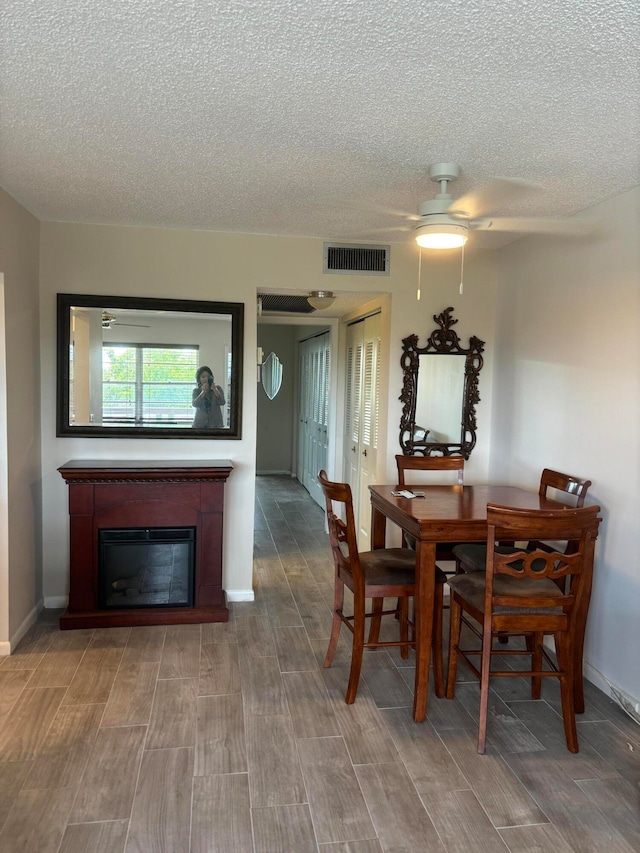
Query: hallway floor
232, 737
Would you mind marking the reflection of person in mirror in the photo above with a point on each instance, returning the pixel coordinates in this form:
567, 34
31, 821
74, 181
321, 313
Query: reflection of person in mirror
207, 399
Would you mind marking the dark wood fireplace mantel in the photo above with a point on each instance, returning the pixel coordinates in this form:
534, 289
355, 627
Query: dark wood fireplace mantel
134, 494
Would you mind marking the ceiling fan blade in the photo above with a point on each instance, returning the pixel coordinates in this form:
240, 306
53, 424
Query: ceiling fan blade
387, 230
135, 325
492, 195
392, 211
541, 225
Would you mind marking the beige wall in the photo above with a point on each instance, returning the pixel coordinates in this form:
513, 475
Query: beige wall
20, 573
567, 396
202, 265
275, 433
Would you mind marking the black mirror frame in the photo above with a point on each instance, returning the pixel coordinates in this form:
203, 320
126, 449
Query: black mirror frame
443, 341
67, 300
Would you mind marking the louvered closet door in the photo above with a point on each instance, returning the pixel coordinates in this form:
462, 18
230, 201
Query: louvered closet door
314, 363
361, 418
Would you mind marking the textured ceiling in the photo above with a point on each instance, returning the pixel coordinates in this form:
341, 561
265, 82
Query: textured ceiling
312, 118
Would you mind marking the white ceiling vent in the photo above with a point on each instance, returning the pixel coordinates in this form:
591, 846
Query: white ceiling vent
356, 259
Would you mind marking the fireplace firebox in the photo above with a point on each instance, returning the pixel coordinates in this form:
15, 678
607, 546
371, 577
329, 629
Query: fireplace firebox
143, 567
127, 516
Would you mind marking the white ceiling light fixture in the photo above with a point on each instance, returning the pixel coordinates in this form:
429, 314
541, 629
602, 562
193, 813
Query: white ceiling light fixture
442, 235
320, 299
437, 229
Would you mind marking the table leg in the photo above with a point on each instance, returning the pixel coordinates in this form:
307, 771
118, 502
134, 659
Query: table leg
423, 617
378, 529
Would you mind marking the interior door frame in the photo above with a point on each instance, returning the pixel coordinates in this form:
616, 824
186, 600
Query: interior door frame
336, 410
338, 344
5, 644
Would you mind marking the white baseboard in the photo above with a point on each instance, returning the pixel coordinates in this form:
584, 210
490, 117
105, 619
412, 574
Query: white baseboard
592, 675
5, 650
240, 595
22, 630
55, 602
630, 704
278, 472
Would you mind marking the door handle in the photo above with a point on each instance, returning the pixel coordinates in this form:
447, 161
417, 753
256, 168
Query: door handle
353, 449
364, 452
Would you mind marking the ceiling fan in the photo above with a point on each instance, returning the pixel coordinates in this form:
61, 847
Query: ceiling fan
444, 222
108, 321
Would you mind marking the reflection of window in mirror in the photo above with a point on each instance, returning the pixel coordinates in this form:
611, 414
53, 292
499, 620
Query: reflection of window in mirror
271, 375
143, 384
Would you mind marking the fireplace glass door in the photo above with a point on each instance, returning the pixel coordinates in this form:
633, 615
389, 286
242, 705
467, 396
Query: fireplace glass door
146, 567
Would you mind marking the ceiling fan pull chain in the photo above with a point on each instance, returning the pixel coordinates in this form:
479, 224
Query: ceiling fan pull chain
419, 272
462, 271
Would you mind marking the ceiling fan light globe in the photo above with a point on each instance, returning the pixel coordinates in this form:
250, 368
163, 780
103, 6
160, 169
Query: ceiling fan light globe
441, 236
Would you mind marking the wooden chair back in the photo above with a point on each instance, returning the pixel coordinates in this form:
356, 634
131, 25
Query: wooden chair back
578, 526
429, 463
564, 483
342, 533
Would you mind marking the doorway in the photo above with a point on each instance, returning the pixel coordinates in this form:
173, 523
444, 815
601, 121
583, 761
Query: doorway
323, 359
5, 647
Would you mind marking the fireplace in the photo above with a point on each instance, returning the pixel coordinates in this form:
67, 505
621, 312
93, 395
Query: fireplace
145, 542
145, 567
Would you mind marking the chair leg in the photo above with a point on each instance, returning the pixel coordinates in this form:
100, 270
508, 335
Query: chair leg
454, 639
578, 683
338, 603
357, 650
436, 641
374, 624
564, 654
404, 626
536, 664
485, 672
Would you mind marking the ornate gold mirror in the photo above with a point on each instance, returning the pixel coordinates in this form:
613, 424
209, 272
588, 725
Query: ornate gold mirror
440, 392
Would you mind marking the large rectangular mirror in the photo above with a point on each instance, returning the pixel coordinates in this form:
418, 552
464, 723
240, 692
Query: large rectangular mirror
127, 367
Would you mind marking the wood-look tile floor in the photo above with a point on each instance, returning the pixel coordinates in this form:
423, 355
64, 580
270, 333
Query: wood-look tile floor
232, 737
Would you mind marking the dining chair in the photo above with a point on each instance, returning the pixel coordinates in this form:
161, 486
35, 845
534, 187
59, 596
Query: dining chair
517, 595
379, 574
444, 550
472, 557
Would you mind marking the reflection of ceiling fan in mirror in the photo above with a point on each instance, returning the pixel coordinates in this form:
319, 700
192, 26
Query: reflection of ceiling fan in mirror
444, 222
109, 320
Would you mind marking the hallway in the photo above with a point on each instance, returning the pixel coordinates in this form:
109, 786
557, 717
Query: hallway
232, 737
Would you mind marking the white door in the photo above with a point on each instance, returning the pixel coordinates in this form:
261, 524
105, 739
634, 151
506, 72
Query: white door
315, 364
361, 418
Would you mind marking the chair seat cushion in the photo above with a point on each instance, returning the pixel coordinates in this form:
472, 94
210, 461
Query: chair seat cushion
392, 566
471, 588
473, 556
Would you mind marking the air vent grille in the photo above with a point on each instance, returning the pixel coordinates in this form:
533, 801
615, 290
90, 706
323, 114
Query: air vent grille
345, 259
284, 304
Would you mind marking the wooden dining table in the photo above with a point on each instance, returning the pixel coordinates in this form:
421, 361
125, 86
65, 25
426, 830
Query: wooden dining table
444, 514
